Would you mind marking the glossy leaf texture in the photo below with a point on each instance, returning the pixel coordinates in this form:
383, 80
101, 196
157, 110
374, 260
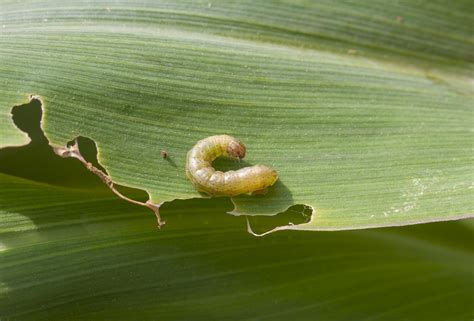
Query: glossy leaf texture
364, 108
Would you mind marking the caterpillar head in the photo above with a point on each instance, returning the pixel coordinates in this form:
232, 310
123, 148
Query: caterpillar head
236, 149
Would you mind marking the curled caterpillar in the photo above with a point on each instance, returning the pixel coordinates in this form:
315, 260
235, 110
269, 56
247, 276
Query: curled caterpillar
231, 183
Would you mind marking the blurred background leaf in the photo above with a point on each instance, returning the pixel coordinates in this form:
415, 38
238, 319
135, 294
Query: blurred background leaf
73, 254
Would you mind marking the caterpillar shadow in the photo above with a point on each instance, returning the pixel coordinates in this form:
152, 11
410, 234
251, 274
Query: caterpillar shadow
276, 199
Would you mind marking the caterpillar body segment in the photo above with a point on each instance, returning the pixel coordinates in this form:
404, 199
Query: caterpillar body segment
206, 179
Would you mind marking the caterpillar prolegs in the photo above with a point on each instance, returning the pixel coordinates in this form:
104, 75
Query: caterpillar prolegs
231, 183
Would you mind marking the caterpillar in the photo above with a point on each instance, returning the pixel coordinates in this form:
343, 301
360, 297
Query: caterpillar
247, 180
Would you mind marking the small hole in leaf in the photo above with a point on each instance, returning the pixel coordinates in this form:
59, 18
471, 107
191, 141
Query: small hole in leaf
295, 215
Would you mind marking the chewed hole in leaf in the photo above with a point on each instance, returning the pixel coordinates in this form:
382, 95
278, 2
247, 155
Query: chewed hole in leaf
27, 118
295, 215
88, 150
38, 161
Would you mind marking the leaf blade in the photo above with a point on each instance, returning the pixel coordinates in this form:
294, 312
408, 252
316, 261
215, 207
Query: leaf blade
366, 140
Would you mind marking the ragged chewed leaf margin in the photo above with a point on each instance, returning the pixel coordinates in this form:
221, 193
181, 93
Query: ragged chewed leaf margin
366, 139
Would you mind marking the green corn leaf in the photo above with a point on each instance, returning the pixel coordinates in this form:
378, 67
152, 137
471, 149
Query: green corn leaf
363, 107
82, 254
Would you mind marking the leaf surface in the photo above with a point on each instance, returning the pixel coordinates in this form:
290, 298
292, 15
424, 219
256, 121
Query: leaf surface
364, 108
